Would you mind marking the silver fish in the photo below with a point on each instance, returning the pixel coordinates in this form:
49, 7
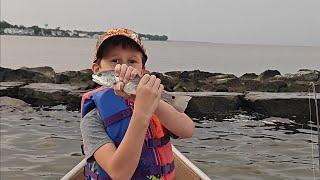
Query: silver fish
108, 78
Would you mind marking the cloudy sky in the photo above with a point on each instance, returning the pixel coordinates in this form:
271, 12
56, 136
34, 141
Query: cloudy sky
287, 22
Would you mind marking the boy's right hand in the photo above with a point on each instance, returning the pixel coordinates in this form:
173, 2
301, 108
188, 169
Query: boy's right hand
148, 95
125, 73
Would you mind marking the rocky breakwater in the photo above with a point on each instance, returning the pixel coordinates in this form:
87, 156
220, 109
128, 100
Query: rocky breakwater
215, 95
42, 86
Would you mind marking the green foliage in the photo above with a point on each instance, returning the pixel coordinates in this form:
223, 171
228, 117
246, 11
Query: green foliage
4, 24
154, 37
36, 29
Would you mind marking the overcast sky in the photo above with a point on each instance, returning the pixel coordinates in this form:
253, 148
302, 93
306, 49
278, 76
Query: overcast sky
289, 22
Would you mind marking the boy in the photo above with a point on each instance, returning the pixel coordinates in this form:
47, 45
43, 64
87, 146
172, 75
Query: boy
126, 139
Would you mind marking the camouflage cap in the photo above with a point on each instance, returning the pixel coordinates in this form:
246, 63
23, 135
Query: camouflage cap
119, 32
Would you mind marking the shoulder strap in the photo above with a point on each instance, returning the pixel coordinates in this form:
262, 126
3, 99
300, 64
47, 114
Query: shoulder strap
117, 116
87, 104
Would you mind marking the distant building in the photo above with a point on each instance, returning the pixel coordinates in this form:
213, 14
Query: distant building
70, 33
28, 31
12, 31
83, 35
75, 33
56, 32
41, 33
144, 38
16, 31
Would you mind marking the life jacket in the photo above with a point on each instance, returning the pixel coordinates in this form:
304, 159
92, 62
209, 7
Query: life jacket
156, 158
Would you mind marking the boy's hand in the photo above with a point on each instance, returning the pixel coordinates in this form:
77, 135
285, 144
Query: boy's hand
125, 73
148, 95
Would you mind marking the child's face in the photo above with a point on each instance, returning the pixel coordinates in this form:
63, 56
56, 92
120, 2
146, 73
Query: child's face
118, 55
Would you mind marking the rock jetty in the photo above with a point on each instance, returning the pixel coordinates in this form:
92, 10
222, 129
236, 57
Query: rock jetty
215, 95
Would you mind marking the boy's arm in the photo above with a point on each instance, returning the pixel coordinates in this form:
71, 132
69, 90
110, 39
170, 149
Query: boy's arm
176, 122
121, 163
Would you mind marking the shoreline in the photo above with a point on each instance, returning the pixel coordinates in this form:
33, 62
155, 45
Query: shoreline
214, 95
187, 41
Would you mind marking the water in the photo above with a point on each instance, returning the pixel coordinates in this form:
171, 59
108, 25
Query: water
240, 148
45, 144
74, 54
38, 144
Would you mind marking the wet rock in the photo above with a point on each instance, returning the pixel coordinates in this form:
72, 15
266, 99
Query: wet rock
81, 78
168, 82
24, 75
286, 105
45, 70
196, 75
299, 86
268, 74
249, 76
226, 80
10, 88
190, 80
301, 75
174, 74
187, 86
264, 86
212, 104
273, 86
48, 94
251, 84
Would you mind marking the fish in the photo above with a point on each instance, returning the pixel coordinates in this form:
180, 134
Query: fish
108, 79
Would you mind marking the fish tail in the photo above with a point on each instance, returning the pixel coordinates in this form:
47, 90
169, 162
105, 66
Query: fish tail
179, 102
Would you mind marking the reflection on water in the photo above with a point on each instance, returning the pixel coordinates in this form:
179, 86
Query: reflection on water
44, 144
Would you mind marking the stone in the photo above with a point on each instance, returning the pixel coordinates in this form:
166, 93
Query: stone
81, 78
48, 94
249, 76
10, 88
168, 82
285, 105
45, 70
268, 74
212, 104
24, 75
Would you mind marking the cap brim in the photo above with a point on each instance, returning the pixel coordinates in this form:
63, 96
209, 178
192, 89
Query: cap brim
100, 48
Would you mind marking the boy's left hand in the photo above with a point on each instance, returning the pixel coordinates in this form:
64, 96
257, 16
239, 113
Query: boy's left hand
125, 73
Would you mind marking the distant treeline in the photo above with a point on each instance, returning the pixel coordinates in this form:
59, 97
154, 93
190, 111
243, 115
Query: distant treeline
154, 37
7, 28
